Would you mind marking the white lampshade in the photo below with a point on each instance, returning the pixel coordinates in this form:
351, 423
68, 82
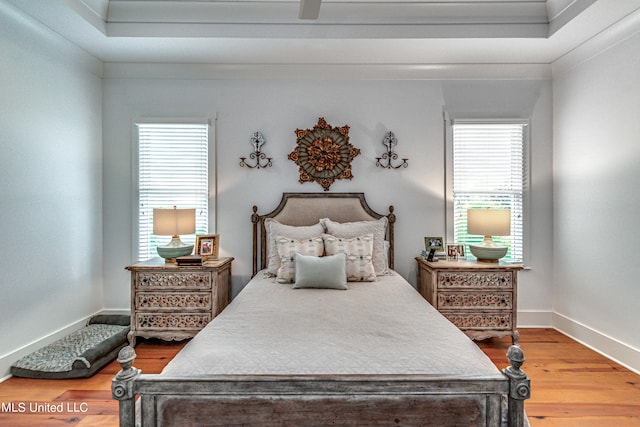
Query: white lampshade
489, 222
174, 222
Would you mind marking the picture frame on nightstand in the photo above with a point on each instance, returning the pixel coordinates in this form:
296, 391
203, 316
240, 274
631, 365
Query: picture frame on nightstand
454, 251
207, 246
436, 243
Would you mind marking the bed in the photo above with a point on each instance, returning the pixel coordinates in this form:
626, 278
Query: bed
375, 353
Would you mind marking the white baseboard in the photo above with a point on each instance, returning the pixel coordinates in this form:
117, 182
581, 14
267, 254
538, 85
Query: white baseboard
609, 347
535, 319
8, 359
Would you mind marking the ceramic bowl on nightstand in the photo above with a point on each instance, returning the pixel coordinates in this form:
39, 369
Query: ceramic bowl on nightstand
174, 252
488, 253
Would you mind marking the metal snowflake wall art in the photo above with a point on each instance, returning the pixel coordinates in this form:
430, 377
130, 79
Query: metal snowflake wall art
324, 154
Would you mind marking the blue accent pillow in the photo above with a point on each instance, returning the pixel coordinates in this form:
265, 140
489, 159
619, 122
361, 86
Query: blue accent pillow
328, 272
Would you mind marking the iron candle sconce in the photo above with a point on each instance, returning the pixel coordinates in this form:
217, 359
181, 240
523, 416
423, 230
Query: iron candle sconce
261, 159
390, 141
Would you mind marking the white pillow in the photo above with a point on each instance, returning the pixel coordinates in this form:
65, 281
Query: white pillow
327, 272
360, 228
287, 247
275, 229
358, 255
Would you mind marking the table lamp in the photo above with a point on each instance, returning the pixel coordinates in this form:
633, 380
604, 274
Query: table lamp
489, 222
174, 222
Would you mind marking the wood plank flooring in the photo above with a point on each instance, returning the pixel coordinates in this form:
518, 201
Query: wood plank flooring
571, 386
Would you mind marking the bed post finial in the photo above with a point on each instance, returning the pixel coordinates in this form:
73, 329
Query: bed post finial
122, 386
391, 218
519, 386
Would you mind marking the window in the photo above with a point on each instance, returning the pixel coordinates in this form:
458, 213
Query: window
489, 170
172, 168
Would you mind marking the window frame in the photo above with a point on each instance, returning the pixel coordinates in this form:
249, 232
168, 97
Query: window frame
449, 205
212, 182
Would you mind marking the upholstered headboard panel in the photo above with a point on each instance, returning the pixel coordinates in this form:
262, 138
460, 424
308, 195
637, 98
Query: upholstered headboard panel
307, 209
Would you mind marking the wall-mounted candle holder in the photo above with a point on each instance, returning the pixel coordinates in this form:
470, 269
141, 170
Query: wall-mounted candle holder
261, 159
390, 141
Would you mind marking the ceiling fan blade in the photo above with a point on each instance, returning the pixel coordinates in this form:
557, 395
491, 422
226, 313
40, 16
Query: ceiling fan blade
309, 9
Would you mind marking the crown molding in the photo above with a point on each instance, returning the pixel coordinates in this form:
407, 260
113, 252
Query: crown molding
624, 29
327, 71
47, 42
561, 12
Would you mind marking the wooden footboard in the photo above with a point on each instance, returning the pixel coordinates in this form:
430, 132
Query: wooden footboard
320, 400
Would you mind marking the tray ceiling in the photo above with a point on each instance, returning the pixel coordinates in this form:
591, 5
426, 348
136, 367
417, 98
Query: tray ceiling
345, 31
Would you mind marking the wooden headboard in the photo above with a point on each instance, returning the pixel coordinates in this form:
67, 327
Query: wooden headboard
307, 209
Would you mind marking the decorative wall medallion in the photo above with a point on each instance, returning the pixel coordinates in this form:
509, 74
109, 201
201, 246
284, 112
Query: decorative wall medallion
324, 154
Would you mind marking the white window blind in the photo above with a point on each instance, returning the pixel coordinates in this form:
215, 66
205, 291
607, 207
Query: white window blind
489, 171
172, 171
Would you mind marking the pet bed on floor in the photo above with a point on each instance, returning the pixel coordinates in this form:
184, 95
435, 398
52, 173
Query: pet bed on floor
80, 354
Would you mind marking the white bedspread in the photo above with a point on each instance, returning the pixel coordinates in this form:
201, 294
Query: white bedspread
382, 327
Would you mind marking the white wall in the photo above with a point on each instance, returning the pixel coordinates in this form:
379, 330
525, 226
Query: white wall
596, 200
51, 185
412, 109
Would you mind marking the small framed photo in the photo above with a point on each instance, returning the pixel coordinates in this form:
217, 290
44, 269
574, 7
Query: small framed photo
207, 245
434, 243
454, 251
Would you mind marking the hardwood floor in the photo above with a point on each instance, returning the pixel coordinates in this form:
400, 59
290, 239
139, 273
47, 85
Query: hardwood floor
571, 386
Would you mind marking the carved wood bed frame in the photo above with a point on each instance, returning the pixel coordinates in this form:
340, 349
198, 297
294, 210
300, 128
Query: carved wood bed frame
307, 400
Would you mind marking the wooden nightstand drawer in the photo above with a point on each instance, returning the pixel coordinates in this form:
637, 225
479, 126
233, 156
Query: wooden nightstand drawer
475, 279
172, 301
474, 300
481, 321
171, 321
173, 280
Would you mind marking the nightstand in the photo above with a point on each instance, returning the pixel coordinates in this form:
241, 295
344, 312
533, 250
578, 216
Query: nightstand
173, 302
479, 298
